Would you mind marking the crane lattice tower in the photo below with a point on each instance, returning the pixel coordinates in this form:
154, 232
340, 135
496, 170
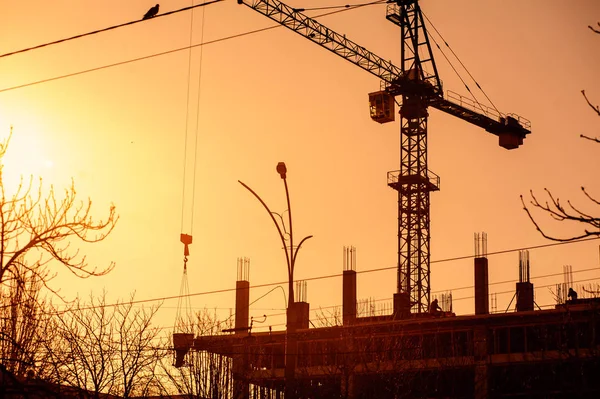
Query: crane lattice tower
418, 84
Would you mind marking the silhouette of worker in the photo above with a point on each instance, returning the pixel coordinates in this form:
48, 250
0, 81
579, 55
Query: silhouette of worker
434, 308
572, 295
151, 12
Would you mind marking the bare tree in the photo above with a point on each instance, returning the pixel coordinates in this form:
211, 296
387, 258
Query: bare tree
138, 352
329, 317
568, 212
37, 229
88, 332
109, 348
24, 325
204, 375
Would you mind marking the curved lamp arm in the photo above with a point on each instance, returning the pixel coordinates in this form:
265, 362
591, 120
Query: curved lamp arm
298, 248
282, 222
287, 256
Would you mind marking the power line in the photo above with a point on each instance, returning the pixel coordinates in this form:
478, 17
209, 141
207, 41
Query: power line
105, 29
470, 297
324, 277
554, 244
164, 52
166, 298
324, 317
489, 254
462, 288
538, 287
334, 316
136, 59
515, 280
169, 348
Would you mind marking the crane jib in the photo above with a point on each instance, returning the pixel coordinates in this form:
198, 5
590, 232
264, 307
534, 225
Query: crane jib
325, 37
397, 82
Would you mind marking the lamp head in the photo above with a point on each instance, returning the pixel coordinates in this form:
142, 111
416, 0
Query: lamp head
281, 169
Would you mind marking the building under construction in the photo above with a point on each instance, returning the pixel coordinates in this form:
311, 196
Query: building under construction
528, 352
417, 350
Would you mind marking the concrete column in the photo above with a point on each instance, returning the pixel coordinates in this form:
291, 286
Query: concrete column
291, 353
242, 306
348, 388
241, 388
482, 297
524, 296
349, 297
481, 358
302, 314
401, 305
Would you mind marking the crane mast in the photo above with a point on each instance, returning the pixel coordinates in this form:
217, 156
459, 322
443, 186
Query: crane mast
413, 181
418, 84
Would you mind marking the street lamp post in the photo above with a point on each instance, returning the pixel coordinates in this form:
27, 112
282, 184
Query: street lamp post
290, 254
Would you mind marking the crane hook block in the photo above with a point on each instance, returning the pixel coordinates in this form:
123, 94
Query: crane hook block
186, 240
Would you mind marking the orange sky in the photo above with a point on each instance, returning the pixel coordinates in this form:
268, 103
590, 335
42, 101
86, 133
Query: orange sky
275, 96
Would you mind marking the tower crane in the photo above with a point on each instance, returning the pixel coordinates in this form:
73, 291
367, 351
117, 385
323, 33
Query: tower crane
418, 85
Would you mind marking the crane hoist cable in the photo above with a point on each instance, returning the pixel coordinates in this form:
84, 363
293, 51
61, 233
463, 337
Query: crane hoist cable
184, 305
183, 315
461, 64
459, 76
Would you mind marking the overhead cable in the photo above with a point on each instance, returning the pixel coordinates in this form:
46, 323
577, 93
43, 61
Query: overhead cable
106, 29
222, 39
220, 291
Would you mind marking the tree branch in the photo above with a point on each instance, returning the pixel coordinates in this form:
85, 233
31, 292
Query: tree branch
596, 108
594, 139
559, 213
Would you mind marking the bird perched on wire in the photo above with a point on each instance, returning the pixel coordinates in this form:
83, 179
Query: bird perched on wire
151, 12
